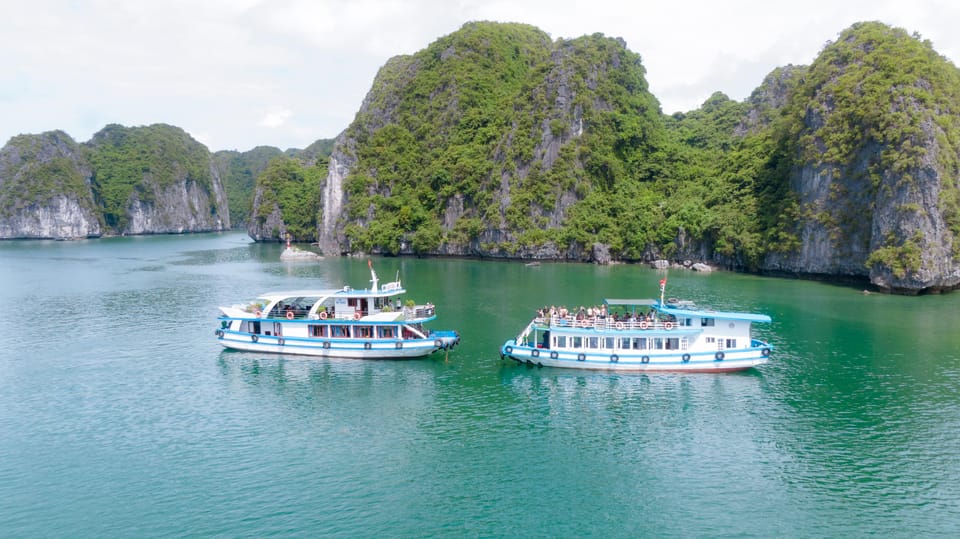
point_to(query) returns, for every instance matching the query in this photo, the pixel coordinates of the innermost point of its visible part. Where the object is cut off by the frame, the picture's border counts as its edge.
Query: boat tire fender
(366, 346)
(535, 353)
(438, 343)
(280, 341)
(719, 356)
(254, 337)
(508, 349)
(765, 352)
(326, 345)
(686, 358)
(581, 357)
(614, 358)
(554, 355)
(645, 359)
(399, 345)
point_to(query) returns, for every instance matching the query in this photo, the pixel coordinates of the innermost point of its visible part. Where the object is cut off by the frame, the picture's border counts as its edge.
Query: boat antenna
(373, 275)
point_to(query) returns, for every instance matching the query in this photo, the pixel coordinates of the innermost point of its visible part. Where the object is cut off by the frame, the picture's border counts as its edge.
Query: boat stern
(447, 339)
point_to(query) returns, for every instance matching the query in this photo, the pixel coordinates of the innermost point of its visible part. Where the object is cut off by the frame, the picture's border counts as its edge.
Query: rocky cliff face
(45, 189)
(877, 201)
(156, 180)
(560, 91)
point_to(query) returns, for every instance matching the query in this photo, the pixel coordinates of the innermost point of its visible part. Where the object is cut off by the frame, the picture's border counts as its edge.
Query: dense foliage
(239, 172)
(51, 167)
(293, 187)
(142, 159)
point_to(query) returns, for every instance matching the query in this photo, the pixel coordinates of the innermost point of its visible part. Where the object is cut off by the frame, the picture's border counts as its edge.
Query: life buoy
(438, 343)
(289, 315)
(356, 316)
(614, 358)
(719, 356)
(258, 313)
(280, 341)
(668, 326)
(508, 349)
(399, 345)
(644, 325)
(686, 358)
(645, 359)
(323, 315)
(326, 344)
(554, 355)
(254, 337)
(535, 353)
(619, 325)
(366, 346)
(765, 352)
(582, 357)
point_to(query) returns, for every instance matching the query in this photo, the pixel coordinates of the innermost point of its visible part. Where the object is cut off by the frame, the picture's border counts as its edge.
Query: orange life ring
(619, 325)
(644, 325)
(356, 316)
(289, 315)
(668, 326)
(258, 313)
(323, 315)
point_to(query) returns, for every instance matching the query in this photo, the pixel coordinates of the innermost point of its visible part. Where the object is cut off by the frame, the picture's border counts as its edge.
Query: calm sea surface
(120, 415)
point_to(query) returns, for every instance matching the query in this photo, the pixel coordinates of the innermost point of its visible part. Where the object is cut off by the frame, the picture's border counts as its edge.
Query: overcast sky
(237, 74)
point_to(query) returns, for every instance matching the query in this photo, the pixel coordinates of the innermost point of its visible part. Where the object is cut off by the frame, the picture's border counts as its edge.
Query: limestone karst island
(497, 141)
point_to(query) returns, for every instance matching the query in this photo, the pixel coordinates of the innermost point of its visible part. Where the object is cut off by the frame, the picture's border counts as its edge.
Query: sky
(237, 74)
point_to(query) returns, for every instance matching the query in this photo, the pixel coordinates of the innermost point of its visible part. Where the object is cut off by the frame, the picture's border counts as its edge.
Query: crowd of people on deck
(563, 316)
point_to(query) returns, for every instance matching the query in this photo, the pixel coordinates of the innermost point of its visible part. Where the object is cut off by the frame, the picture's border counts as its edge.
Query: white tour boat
(342, 322)
(642, 335)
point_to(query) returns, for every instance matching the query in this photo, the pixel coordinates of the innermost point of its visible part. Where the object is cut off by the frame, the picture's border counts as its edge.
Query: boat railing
(605, 324)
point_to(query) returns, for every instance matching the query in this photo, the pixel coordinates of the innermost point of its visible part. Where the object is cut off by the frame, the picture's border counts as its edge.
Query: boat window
(731, 343)
(363, 332)
(562, 341)
(625, 343)
(609, 342)
(387, 332)
(318, 331)
(640, 343)
(657, 343)
(340, 331)
(711, 340)
(684, 343)
(594, 342)
(686, 322)
(577, 342)
(707, 322)
(672, 343)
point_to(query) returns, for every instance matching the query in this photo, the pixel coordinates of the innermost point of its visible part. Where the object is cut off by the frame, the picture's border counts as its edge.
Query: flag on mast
(663, 285)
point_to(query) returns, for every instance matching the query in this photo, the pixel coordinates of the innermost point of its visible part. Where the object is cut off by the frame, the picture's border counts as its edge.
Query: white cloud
(275, 118)
(220, 67)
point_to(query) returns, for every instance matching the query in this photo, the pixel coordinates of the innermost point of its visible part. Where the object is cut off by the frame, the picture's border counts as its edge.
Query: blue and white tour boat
(641, 335)
(341, 322)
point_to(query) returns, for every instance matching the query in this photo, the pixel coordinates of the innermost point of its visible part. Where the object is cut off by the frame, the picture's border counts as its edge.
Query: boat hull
(621, 361)
(339, 348)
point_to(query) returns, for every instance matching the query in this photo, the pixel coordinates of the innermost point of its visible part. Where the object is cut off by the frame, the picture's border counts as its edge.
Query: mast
(373, 276)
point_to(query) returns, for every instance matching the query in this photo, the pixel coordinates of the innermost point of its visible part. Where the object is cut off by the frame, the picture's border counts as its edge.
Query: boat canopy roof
(688, 309)
(631, 302)
(333, 292)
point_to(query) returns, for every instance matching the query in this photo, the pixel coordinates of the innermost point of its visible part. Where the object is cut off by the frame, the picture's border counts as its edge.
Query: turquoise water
(120, 415)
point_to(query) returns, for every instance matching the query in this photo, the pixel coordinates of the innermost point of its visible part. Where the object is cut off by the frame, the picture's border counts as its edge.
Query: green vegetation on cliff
(239, 172)
(141, 159)
(47, 166)
(294, 187)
